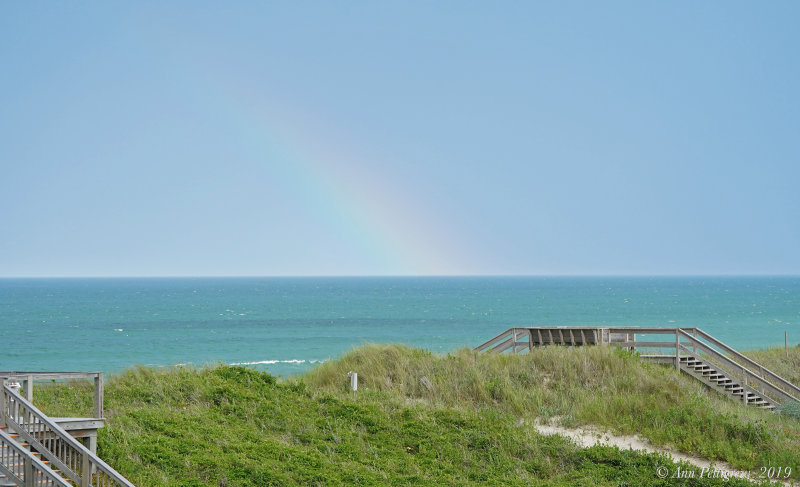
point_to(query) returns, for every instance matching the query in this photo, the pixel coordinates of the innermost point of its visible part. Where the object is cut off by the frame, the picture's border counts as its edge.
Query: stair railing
(23, 468)
(687, 340)
(503, 336)
(63, 451)
(764, 373)
(748, 375)
(507, 339)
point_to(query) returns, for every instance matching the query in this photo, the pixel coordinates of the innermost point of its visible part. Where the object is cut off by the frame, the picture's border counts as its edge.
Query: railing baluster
(58, 446)
(25, 467)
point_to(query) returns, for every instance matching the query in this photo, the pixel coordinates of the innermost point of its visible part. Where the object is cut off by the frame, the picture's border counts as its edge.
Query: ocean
(287, 325)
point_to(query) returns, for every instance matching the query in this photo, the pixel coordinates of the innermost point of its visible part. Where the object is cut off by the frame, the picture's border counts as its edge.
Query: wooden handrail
(744, 372)
(23, 467)
(49, 375)
(59, 447)
(27, 379)
(494, 340)
(511, 342)
(695, 337)
(645, 330)
(751, 362)
(736, 366)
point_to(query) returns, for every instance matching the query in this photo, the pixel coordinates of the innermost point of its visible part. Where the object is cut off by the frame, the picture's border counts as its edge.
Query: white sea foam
(272, 362)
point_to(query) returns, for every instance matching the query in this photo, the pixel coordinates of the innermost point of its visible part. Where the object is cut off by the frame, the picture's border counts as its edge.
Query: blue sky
(399, 138)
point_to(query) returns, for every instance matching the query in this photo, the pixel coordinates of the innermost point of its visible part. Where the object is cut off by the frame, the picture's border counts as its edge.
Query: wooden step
(731, 387)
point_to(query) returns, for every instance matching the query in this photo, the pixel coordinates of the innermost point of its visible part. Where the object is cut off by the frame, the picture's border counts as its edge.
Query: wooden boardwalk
(690, 350)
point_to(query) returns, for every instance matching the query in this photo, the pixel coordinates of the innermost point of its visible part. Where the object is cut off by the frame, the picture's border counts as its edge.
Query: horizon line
(397, 276)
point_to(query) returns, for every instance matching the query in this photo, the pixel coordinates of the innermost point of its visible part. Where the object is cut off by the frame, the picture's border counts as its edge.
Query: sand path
(590, 436)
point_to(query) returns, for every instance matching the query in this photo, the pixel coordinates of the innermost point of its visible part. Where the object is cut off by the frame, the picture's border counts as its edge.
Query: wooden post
(27, 475)
(98, 395)
(86, 470)
(744, 386)
(29, 388)
(2, 401)
(694, 347)
(677, 349)
(93, 443)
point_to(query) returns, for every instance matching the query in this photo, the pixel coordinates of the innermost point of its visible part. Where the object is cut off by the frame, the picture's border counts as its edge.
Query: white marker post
(353, 380)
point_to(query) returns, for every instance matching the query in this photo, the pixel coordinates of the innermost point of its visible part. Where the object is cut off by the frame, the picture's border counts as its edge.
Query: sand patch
(588, 436)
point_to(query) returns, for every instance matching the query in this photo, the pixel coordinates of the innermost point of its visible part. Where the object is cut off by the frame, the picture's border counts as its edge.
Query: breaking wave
(270, 362)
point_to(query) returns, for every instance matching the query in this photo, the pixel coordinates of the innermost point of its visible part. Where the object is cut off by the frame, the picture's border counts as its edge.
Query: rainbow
(351, 199)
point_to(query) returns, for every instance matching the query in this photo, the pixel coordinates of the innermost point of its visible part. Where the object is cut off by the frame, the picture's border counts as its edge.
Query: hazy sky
(391, 138)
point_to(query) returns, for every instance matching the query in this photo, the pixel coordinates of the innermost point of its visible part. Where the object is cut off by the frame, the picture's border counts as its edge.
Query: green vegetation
(777, 360)
(421, 419)
(600, 386)
(785, 363)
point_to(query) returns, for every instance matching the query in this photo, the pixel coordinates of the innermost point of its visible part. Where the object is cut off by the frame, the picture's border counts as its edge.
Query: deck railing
(64, 452)
(28, 378)
(22, 467)
(696, 342)
(682, 342)
(502, 342)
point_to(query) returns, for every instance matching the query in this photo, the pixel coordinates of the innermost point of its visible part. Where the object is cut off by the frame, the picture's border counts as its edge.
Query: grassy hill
(421, 419)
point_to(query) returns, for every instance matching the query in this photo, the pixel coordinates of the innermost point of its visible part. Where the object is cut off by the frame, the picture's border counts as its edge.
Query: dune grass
(600, 386)
(419, 419)
(786, 365)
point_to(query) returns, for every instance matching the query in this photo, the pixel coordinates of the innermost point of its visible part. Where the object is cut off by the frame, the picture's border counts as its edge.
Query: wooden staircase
(36, 452)
(19, 466)
(695, 353)
(717, 380)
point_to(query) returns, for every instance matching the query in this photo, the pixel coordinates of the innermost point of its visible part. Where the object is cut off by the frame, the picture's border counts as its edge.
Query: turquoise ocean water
(286, 325)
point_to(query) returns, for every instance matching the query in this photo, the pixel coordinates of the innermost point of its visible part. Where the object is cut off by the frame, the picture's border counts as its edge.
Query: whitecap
(270, 362)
